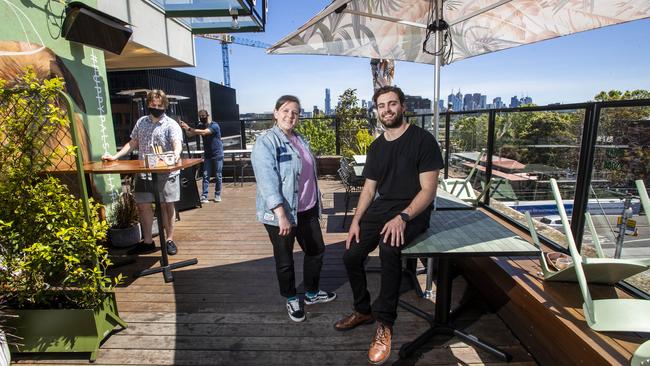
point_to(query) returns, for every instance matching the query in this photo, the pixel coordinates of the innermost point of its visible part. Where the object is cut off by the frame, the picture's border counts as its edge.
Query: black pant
(310, 239)
(385, 306)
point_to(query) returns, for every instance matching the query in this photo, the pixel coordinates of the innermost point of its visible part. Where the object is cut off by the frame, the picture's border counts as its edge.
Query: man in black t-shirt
(401, 171)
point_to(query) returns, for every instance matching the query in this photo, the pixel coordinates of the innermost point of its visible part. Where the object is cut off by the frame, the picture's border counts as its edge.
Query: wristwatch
(405, 217)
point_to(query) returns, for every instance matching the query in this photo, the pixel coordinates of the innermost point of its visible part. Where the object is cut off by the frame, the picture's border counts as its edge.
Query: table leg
(428, 291)
(165, 267)
(441, 324)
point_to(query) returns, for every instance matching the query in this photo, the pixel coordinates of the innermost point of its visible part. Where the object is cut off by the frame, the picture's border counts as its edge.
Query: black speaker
(89, 26)
(189, 191)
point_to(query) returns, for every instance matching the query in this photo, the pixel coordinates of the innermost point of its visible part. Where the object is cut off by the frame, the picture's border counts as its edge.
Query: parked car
(553, 221)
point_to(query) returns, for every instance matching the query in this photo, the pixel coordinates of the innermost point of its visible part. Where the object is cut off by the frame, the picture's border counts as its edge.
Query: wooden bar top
(135, 166)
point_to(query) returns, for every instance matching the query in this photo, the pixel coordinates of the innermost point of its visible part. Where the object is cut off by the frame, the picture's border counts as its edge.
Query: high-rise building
(527, 100)
(514, 102)
(457, 101)
(483, 102)
(468, 103)
(328, 103)
(417, 104)
(498, 103)
(476, 98)
(317, 111)
(452, 102)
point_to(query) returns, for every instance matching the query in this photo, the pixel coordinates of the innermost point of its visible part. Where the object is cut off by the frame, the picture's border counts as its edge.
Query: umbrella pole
(436, 76)
(436, 97)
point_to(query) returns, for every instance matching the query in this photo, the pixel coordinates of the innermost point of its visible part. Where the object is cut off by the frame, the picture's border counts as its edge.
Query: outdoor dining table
(447, 201)
(456, 234)
(137, 166)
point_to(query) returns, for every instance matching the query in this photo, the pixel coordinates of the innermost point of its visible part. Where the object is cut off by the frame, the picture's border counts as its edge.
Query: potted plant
(53, 272)
(124, 228)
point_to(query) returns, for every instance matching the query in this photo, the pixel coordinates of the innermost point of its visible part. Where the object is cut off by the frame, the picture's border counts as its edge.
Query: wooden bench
(547, 317)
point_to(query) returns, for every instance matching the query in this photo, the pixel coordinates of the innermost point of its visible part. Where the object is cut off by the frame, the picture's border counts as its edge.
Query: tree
(321, 136)
(470, 133)
(351, 120)
(627, 132)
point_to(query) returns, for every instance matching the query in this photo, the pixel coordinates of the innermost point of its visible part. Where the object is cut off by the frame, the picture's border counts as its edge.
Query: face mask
(203, 119)
(156, 112)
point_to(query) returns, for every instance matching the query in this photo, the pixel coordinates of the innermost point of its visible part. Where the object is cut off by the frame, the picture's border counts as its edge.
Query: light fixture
(234, 24)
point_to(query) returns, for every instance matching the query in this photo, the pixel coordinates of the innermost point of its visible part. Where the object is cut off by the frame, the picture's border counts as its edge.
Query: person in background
(288, 204)
(155, 131)
(401, 172)
(212, 152)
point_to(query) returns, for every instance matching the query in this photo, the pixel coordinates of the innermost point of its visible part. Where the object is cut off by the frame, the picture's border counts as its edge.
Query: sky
(568, 69)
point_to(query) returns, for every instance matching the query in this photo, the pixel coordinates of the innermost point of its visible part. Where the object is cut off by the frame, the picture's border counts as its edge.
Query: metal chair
(596, 270)
(603, 315)
(351, 184)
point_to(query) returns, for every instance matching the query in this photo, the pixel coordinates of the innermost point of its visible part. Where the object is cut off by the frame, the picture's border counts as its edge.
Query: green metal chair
(641, 356)
(597, 270)
(462, 188)
(645, 201)
(501, 189)
(604, 315)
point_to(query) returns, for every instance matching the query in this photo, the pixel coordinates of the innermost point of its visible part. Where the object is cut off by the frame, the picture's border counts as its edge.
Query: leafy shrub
(321, 137)
(49, 248)
(352, 120)
(364, 139)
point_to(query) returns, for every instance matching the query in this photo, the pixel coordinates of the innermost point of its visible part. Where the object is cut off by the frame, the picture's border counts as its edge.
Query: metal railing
(574, 154)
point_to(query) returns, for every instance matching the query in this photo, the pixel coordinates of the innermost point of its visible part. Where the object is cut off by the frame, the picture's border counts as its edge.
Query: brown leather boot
(353, 320)
(380, 347)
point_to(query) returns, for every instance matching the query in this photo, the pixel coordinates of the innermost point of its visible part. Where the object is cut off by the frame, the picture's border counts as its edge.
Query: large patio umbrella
(433, 32)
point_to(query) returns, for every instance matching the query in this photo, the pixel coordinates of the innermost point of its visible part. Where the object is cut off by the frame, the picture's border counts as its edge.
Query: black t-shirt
(396, 165)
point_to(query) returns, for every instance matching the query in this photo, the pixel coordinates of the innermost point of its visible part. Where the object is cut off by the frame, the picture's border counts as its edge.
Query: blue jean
(209, 166)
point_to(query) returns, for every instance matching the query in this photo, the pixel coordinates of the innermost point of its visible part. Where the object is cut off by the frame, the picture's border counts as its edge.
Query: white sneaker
(204, 200)
(320, 297)
(217, 198)
(295, 311)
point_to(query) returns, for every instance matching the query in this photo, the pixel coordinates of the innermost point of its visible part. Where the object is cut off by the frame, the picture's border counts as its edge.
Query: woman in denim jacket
(288, 204)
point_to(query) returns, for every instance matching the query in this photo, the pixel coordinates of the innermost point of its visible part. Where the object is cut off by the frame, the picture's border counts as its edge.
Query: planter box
(5, 356)
(121, 238)
(65, 330)
(328, 164)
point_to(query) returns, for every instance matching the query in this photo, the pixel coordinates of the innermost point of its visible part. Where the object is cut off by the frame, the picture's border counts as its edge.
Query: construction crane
(225, 40)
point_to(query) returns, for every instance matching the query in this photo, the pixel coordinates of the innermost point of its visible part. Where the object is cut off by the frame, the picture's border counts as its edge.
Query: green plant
(364, 139)
(124, 212)
(51, 256)
(351, 119)
(321, 137)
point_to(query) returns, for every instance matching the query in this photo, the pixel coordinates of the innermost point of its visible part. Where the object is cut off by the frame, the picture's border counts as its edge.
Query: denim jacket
(277, 168)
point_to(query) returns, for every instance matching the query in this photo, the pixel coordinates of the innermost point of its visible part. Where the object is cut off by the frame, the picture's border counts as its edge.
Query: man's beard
(395, 123)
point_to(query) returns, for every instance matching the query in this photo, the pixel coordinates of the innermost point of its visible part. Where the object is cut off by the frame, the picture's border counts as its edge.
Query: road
(633, 246)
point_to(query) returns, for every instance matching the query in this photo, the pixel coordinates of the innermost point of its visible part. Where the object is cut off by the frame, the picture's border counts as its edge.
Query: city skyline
(568, 69)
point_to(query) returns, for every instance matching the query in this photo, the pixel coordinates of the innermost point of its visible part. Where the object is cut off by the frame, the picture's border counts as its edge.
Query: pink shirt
(307, 182)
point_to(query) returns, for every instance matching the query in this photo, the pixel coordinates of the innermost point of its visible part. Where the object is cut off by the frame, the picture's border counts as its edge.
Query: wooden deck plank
(226, 310)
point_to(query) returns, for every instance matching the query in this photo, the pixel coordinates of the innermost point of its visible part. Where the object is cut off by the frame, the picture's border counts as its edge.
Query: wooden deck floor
(227, 309)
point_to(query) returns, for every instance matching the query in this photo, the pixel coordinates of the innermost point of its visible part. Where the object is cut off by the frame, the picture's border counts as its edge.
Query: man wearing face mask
(159, 131)
(212, 152)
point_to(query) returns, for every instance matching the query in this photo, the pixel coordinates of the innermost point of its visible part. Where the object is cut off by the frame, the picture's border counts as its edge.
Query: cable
(439, 27)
